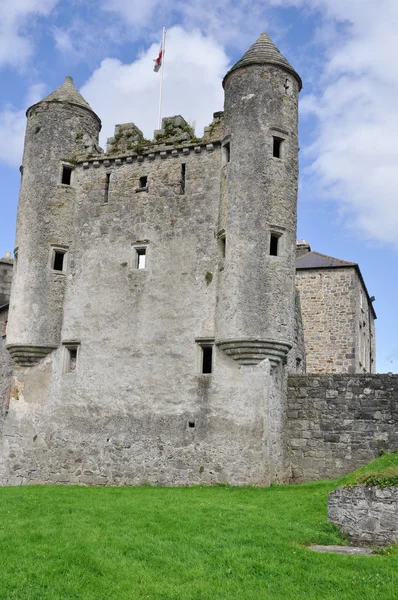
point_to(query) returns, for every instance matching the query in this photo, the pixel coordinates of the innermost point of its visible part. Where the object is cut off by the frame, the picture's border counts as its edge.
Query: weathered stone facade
(154, 317)
(338, 319)
(367, 515)
(6, 266)
(153, 302)
(337, 423)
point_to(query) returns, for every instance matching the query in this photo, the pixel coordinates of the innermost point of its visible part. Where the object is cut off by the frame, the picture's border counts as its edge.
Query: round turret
(256, 302)
(60, 127)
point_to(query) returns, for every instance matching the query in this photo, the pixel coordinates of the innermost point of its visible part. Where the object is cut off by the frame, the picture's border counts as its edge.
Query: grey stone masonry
(338, 320)
(367, 515)
(337, 423)
(149, 319)
(6, 266)
(5, 367)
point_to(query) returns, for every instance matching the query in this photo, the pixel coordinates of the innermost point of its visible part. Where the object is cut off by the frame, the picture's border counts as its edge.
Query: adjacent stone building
(154, 316)
(337, 313)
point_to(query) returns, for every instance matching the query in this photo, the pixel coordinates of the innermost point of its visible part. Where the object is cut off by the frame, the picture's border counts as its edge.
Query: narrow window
(207, 359)
(143, 182)
(4, 326)
(107, 181)
(59, 260)
(298, 365)
(183, 175)
(141, 258)
(222, 246)
(226, 153)
(277, 147)
(72, 360)
(273, 246)
(66, 175)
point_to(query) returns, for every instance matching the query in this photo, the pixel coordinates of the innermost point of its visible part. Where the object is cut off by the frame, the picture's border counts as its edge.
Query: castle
(155, 330)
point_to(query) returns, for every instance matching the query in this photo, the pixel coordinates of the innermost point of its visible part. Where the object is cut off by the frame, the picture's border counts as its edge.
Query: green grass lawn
(180, 543)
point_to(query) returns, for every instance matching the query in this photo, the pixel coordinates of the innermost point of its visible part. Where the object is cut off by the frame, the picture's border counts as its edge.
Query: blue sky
(345, 51)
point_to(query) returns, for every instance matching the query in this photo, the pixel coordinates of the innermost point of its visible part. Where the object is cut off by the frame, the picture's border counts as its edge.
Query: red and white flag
(159, 60)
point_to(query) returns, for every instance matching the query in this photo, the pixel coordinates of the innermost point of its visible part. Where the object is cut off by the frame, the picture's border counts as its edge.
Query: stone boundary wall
(337, 423)
(367, 515)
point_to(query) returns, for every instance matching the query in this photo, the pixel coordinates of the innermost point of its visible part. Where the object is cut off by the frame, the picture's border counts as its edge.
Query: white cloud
(227, 21)
(194, 67)
(354, 155)
(15, 45)
(12, 127)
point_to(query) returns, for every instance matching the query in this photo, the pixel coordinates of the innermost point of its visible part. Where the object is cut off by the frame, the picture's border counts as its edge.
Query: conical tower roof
(264, 52)
(67, 93)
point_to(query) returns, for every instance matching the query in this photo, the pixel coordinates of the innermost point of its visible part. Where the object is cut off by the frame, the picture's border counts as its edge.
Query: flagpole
(161, 79)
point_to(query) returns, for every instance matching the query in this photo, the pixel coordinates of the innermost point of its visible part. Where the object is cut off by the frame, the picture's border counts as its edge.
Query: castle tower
(258, 220)
(59, 128)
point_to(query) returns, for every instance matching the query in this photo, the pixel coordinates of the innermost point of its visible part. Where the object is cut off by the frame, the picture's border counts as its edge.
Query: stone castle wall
(338, 325)
(6, 266)
(5, 367)
(337, 423)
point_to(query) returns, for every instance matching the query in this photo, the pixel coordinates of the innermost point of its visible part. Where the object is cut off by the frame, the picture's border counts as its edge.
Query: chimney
(302, 248)
(8, 254)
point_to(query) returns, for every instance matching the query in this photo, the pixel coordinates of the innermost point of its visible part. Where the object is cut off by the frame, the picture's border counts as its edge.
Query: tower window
(107, 182)
(141, 258)
(70, 357)
(207, 360)
(66, 175)
(183, 175)
(143, 182)
(226, 153)
(222, 244)
(59, 260)
(277, 147)
(274, 245)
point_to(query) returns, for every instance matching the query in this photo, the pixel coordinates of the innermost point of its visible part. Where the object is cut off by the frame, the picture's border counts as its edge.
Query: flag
(158, 61)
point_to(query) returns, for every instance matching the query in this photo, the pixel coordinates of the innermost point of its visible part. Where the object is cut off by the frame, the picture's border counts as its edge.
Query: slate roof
(67, 92)
(264, 52)
(316, 260)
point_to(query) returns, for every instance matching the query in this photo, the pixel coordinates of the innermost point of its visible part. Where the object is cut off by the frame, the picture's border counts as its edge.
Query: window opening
(107, 181)
(141, 258)
(273, 246)
(277, 147)
(183, 175)
(72, 359)
(66, 175)
(59, 258)
(226, 149)
(223, 246)
(143, 182)
(191, 424)
(207, 359)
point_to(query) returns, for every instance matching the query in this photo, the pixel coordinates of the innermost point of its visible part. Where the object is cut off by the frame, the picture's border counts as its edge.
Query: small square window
(71, 352)
(274, 244)
(277, 147)
(66, 175)
(141, 258)
(205, 360)
(58, 261)
(226, 153)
